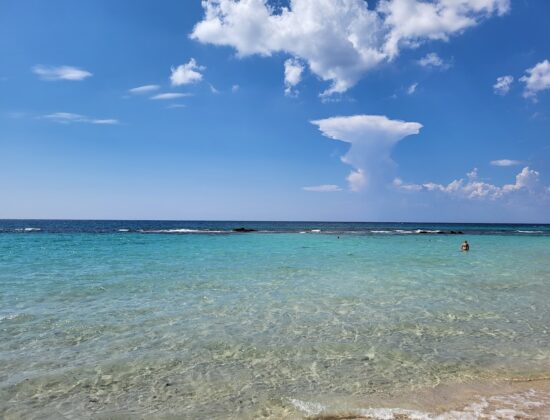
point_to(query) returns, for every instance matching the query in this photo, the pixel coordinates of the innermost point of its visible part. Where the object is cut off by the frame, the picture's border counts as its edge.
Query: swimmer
(465, 246)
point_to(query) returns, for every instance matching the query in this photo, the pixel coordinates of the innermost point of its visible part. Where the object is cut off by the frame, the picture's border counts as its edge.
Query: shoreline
(502, 399)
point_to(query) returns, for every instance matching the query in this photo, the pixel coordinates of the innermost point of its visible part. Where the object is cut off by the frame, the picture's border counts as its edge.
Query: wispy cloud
(144, 89)
(505, 162)
(412, 88)
(52, 73)
(213, 89)
(372, 138)
(235, 88)
(173, 106)
(503, 84)
(432, 60)
(323, 188)
(185, 74)
(169, 95)
(69, 117)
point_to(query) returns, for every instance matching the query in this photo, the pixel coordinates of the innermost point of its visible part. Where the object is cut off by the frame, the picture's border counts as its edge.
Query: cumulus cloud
(536, 79)
(505, 162)
(432, 60)
(168, 96)
(52, 73)
(503, 84)
(340, 40)
(372, 138)
(413, 21)
(293, 75)
(185, 74)
(323, 188)
(144, 89)
(69, 117)
(527, 181)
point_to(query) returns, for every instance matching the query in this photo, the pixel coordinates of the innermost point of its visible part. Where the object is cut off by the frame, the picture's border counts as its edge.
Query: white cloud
(503, 84)
(357, 180)
(172, 106)
(106, 121)
(293, 75)
(505, 162)
(412, 22)
(340, 40)
(144, 89)
(537, 79)
(398, 183)
(213, 89)
(412, 88)
(169, 95)
(432, 60)
(69, 117)
(323, 188)
(187, 73)
(527, 181)
(60, 73)
(372, 138)
(235, 88)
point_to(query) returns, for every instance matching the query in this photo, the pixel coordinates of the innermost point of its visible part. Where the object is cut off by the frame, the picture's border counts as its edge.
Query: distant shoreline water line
(240, 227)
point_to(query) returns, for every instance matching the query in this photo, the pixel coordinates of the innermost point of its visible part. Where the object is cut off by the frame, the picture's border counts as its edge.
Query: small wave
(310, 409)
(10, 317)
(404, 231)
(527, 404)
(124, 230)
(315, 230)
(180, 231)
(28, 229)
(529, 231)
(382, 231)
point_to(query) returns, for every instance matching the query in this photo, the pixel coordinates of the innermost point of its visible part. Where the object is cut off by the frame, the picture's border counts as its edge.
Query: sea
(195, 320)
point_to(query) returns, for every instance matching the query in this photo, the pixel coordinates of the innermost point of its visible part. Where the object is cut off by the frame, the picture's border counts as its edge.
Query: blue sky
(395, 110)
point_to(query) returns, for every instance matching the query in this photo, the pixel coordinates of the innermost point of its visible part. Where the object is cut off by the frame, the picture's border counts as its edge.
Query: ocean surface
(193, 320)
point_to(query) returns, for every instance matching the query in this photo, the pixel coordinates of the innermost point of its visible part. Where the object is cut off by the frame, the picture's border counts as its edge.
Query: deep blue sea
(304, 319)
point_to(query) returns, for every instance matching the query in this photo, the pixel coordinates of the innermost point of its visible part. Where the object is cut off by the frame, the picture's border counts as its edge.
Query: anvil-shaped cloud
(372, 138)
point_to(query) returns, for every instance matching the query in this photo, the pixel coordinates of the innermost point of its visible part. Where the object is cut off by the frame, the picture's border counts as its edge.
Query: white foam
(511, 407)
(392, 413)
(315, 230)
(381, 231)
(28, 229)
(124, 230)
(308, 408)
(181, 231)
(8, 317)
(403, 231)
(529, 231)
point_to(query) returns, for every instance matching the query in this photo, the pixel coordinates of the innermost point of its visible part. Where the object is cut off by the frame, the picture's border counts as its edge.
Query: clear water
(97, 321)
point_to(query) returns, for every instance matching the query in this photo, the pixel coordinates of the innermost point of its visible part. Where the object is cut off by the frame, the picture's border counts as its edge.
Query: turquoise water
(245, 325)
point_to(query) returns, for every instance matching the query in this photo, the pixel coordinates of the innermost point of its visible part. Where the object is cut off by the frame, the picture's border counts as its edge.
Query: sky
(329, 110)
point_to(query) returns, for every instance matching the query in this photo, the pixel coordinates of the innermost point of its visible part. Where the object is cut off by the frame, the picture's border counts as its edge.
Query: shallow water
(245, 325)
